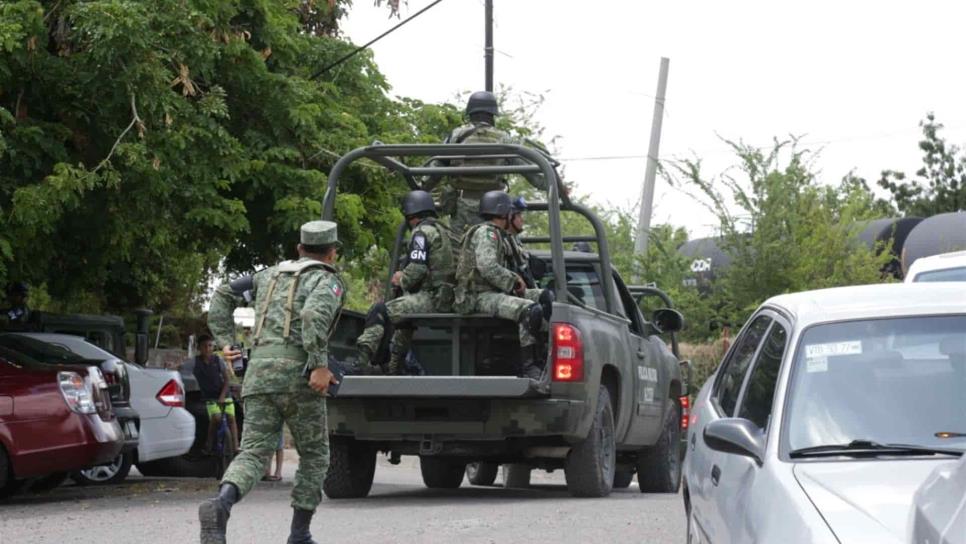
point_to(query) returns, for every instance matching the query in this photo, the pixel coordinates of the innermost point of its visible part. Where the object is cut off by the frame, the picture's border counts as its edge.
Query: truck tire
(6, 475)
(441, 473)
(659, 467)
(352, 466)
(591, 464)
(623, 479)
(482, 473)
(516, 476)
(108, 473)
(179, 467)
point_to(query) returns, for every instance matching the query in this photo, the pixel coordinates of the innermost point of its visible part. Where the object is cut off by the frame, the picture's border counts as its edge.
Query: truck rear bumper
(471, 418)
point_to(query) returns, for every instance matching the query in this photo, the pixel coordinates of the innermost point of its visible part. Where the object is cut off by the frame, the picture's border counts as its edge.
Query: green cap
(319, 233)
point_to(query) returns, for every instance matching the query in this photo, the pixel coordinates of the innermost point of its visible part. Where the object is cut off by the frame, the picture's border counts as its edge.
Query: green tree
(939, 185)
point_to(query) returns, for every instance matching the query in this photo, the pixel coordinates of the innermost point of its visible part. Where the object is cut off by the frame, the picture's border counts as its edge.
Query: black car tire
(441, 472)
(109, 473)
(482, 473)
(179, 467)
(5, 473)
(659, 467)
(591, 464)
(623, 478)
(352, 466)
(516, 476)
(48, 482)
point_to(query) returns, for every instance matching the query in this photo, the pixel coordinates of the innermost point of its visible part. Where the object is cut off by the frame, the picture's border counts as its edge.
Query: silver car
(829, 411)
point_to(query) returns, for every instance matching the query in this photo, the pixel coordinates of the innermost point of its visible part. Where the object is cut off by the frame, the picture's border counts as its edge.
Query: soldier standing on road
(297, 304)
(460, 198)
(486, 283)
(427, 282)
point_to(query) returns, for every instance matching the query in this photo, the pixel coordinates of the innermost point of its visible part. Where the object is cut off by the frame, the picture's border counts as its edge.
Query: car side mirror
(735, 435)
(667, 320)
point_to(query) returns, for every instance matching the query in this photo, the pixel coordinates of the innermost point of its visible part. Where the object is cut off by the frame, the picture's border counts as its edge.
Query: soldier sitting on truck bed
(460, 198)
(427, 282)
(485, 280)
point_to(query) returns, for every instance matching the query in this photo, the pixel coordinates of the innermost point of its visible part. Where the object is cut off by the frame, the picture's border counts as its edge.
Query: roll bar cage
(531, 161)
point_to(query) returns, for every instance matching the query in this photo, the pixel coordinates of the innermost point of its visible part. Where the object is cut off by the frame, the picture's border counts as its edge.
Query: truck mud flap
(440, 387)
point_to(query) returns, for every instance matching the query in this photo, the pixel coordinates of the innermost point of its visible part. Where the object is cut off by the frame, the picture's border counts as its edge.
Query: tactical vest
(479, 133)
(295, 270)
(468, 276)
(441, 268)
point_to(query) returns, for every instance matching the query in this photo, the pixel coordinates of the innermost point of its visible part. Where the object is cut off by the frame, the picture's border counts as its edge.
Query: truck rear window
(583, 283)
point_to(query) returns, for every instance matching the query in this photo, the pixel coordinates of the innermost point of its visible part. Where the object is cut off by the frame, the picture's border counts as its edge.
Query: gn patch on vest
(419, 249)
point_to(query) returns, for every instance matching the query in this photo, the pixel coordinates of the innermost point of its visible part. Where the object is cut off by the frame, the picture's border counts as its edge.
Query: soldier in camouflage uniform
(297, 304)
(487, 284)
(427, 283)
(518, 254)
(460, 197)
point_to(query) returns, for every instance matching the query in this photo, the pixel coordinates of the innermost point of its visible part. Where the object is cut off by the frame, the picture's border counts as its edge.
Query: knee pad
(546, 301)
(378, 315)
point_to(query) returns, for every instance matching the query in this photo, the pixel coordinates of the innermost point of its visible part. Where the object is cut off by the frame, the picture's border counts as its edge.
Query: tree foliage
(939, 185)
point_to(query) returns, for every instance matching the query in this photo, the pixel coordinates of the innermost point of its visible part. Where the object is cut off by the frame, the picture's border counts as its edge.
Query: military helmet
(495, 203)
(417, 202)
(482, 102)
(519, 205)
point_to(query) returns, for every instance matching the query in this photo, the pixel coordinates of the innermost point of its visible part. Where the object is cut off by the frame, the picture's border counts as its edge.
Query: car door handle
(715, 475)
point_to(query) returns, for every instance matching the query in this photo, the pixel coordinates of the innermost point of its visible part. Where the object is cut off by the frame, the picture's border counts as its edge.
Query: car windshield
(39, 350)
(890, 381)
(948, 274)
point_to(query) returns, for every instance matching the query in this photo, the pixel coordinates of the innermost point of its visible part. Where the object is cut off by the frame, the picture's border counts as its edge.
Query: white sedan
(827, 414)
(167, 429)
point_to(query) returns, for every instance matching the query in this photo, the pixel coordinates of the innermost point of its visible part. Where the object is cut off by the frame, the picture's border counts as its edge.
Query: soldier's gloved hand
(521, 287)
(230, 354)
(396, 277)
(321, 378)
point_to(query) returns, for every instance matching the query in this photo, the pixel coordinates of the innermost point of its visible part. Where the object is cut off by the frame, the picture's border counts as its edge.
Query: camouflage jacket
(483, 261)
(430, 263)
(481, 133)
(520, 258)
(279, 360)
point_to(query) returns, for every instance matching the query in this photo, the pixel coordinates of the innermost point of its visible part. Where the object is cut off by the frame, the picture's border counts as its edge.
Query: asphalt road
(399, 509)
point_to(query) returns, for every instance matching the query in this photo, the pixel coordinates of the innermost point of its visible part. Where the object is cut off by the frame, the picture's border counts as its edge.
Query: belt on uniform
(280, 352)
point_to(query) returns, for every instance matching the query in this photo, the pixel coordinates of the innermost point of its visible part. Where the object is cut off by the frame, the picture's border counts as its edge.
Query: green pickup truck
(607, 405)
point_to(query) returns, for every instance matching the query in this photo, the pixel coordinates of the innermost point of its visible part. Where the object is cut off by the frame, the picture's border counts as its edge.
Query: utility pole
(488, 48)
(647, 191)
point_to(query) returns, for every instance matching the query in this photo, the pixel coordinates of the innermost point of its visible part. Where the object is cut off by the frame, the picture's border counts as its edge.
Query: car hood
(865, 501)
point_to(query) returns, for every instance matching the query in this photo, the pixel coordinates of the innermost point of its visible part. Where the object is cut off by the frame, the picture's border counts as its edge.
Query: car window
(630, 307)
(38, 350)
(736, 366)
(949, 274)
(760, 391)
(583, 283)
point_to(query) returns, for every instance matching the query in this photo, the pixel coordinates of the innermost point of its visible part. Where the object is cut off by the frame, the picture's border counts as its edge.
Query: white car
(829, 411)
(945, 267)
(167, 429)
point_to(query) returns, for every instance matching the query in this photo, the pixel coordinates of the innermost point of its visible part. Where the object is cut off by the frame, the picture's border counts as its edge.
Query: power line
(357, 50)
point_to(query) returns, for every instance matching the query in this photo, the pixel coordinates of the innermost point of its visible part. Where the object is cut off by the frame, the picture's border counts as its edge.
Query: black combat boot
(214, 513)
(301, 523)
(533, 367)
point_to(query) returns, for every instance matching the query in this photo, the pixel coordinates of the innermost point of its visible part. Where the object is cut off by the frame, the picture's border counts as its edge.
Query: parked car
(829, 411)
(939, 507)
(49, 348)
(54, 418)
(945, 267)
(167, 429)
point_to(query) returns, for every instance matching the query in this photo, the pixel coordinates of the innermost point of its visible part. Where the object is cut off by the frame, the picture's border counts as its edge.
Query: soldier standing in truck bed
(460, 196)
(297, 304)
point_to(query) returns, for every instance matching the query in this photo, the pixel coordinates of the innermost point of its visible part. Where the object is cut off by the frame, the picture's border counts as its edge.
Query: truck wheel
(482, 473)
(516, 476)
(109, 473)
(591, 464)
(623, 479)
(659, 467)
(441, 473)
(352, 466)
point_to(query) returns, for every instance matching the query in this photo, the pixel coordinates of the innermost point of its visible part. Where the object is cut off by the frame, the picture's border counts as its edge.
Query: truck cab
(607, 405)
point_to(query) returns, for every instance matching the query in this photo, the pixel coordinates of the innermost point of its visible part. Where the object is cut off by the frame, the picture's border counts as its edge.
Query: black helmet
(417, 202)
(496, 204)
(17, 288)
(482, 101)
(519, 205)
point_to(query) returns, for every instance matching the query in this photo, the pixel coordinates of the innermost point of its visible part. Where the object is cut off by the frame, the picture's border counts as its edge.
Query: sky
(852, 79)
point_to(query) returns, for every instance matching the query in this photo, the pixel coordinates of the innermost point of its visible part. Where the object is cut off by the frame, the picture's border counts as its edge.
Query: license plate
(130, 430)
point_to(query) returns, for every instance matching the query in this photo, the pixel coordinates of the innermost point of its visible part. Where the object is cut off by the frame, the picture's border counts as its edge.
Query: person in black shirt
(213, 380)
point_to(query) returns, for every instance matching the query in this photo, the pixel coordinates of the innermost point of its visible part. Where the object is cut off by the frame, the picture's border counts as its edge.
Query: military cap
(319, 233)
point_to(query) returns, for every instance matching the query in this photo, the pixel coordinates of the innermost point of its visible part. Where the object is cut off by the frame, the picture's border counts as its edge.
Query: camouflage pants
(507, 307)
(304, 413)
(402, 337)
(464, 213)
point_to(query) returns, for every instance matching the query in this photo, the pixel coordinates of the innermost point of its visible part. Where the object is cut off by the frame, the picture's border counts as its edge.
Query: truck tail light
(685, 412)
(567, 353)
(171, 395)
